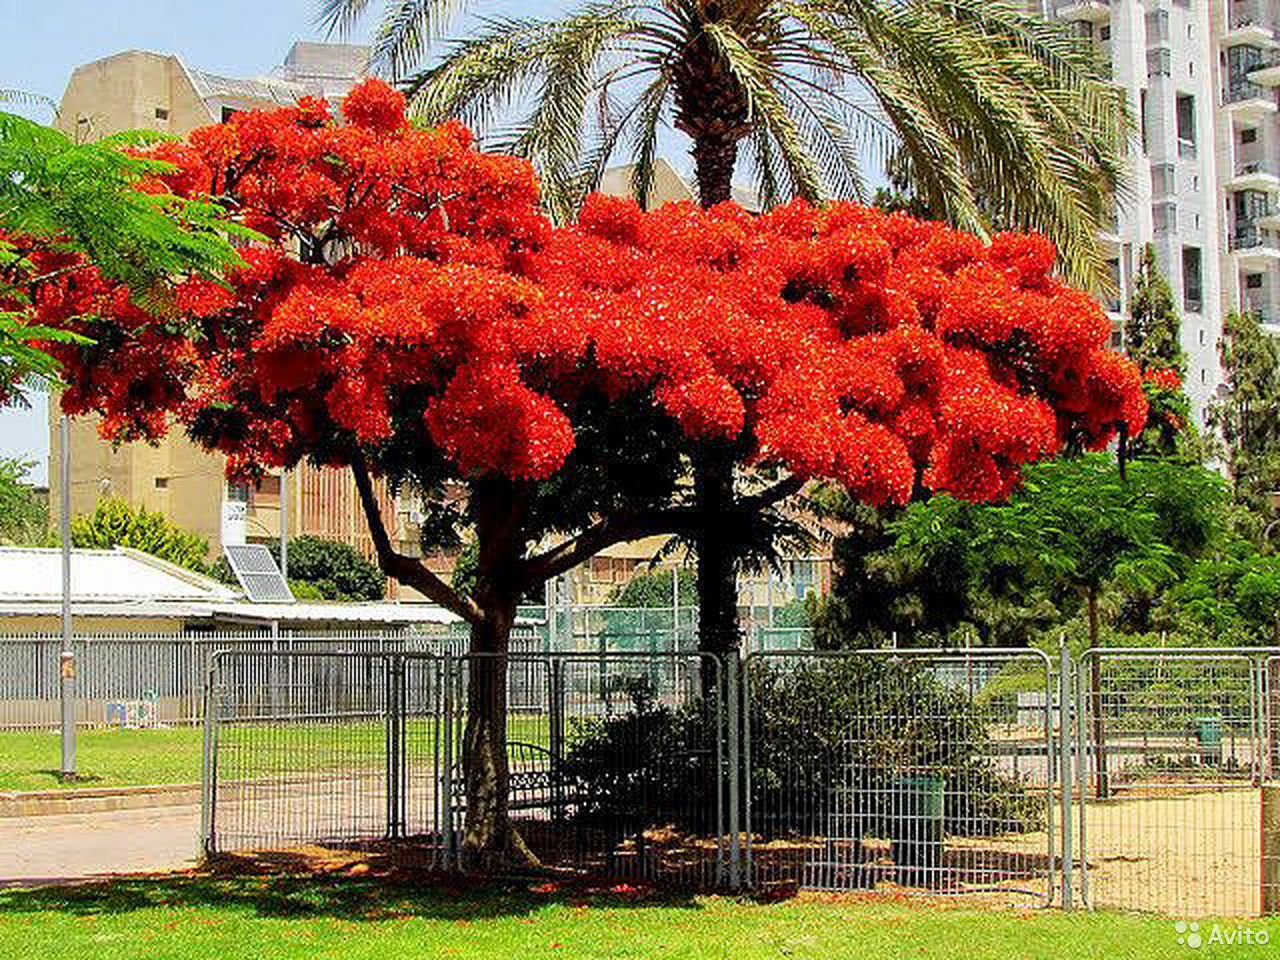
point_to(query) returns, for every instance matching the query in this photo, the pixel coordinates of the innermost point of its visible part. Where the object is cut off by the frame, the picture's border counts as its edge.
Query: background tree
(995, 117)
(336, 570)
(419, 319)
(114, 523)
(655, 588)
(1153, 340)
(24, 517)
(1246, 413)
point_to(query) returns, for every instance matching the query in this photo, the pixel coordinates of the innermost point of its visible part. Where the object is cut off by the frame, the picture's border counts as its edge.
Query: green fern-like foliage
(998, 119)
(84, 198)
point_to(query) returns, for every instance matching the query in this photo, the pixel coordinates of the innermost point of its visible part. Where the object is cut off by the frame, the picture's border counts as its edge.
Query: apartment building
(1165, 55)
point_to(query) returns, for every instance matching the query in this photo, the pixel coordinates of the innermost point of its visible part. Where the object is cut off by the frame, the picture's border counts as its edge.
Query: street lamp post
(67, 658)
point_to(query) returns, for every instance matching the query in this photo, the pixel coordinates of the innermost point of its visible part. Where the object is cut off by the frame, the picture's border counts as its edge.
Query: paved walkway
(85, 845)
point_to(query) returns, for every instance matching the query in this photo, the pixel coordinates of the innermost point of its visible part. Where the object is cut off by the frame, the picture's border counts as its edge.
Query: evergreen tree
(1246, 414)
(1153, 340)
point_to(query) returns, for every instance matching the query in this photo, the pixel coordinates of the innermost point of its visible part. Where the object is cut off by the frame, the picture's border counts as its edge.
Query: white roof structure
(129, 583)
(101, 576)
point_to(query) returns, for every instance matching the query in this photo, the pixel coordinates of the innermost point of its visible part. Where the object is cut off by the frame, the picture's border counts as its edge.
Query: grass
(123, 758)
(279, 918)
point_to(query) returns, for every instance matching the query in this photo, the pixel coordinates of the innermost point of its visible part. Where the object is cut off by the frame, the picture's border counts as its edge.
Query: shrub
(114, 523)
(830, 738)
(337, 570)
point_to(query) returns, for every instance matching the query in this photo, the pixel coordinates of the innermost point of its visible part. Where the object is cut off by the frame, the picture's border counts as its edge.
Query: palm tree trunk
(717, 563)
(714, 158)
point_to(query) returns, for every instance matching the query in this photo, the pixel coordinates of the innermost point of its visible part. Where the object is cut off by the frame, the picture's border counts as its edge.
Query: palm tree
(994, 117)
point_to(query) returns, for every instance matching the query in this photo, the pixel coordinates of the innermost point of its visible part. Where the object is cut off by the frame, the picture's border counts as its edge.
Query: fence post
(1065, 742)
(394, 666)
(209, 765)
(446, 787)
(731, 665)
(1082, 785)
(556, 734)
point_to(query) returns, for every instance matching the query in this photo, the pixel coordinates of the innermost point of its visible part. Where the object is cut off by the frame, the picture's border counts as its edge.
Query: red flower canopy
(413, 294)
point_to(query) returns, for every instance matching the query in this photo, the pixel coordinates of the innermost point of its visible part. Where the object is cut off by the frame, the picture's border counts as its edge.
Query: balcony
(1255, 247)
(1266, 71)
(1249, 23)
(1248, 102)
(1255, 175)
(1091, 11)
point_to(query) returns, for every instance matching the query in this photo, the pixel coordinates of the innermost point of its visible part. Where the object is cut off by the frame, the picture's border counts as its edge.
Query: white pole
(675, 609)
(67, 658)
(284, 525)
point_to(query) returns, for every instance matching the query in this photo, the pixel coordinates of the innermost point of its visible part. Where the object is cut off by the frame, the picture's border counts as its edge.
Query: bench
(535, 780)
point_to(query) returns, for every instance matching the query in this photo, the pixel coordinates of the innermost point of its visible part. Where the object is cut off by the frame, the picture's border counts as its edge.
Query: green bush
(337, 570)
(117, 524)
(830, 738)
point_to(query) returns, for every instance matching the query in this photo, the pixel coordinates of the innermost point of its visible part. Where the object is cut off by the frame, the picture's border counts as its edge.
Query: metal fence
(1175, 751)
(1129, 778)
(138, 679)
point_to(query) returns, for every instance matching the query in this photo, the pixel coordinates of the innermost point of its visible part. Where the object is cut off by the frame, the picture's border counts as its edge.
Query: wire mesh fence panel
(926, 770)
(614, 761)
(301, 748)
(1170, 773)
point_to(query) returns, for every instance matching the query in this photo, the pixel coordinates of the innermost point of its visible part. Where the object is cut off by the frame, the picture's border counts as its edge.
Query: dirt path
(84, 845)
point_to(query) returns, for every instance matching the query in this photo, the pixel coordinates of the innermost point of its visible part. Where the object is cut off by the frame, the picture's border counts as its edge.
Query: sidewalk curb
(97, 800)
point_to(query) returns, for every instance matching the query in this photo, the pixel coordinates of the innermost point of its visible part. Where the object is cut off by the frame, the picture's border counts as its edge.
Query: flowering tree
(417, 317)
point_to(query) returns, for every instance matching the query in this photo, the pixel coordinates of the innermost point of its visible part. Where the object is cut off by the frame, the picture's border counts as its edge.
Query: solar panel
(258, 574)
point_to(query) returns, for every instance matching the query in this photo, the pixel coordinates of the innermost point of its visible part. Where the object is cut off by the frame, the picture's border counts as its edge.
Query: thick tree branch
(407, 570)
(615, 528)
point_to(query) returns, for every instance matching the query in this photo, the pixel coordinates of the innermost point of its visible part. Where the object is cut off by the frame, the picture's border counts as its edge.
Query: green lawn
(118, 758)
(339, 917)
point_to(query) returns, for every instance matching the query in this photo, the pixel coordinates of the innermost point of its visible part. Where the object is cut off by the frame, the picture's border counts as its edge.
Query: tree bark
(489, 839)
(1102, 785)
(717, 555)
(714, 157)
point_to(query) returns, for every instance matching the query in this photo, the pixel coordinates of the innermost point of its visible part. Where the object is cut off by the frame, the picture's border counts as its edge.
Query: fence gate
(1171, 768)
(930, 770)
(617, 761)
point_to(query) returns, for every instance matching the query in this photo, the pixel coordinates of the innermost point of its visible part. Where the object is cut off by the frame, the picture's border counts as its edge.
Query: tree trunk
(717, 562)
(489, 840)
(1102, 783)
(714, 158)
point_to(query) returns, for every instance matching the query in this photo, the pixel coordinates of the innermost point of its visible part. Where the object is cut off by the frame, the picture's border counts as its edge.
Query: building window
(1202, 336)
(1104, 32)
(228, 113)
(162, 113)
(1164, 217)
(162, 483)
(1249, 135)
(1163, 181)
(1191, 289)
(1253, 281)
(1186, 111)
(1159, 62)
(1204, 375)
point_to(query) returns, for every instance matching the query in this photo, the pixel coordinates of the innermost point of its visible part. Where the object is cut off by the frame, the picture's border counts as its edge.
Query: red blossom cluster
(414, 295)
(1162, 379)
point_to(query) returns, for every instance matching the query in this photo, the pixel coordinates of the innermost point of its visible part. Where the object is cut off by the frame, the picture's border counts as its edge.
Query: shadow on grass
(276, 889)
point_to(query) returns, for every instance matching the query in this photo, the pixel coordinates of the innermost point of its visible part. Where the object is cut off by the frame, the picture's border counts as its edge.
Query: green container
(916, 812)
(1209, 735)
